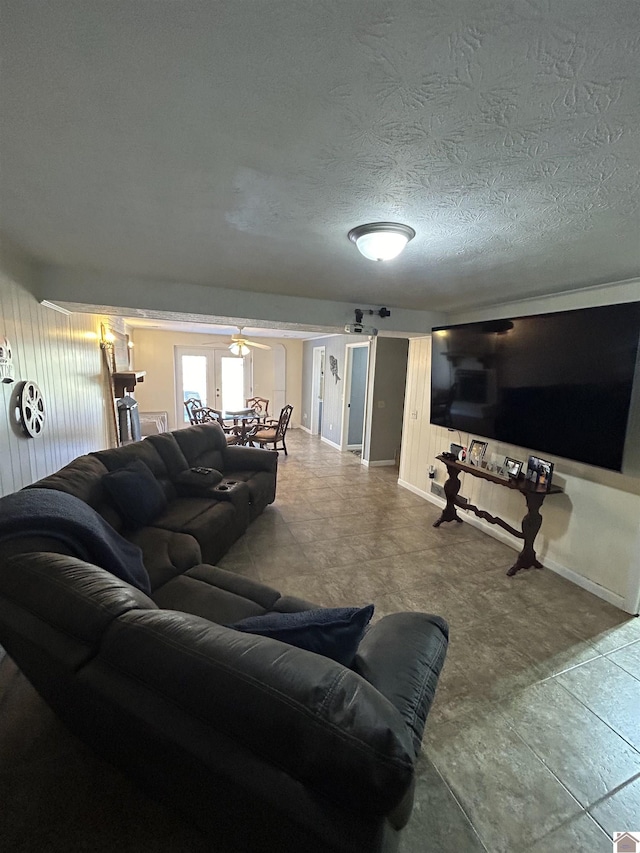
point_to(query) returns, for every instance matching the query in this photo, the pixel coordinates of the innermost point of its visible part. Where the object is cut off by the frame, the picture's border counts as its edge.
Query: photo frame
(476, 453)
(512, 467)
(539, 473)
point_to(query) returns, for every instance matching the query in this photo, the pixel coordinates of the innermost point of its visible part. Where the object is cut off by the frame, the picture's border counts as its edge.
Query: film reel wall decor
(31, 409)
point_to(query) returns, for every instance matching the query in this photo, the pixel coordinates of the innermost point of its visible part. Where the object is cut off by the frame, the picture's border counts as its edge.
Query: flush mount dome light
(381, 241)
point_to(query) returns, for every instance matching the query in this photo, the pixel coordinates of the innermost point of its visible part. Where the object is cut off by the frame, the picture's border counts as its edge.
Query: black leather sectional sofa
(265, 746)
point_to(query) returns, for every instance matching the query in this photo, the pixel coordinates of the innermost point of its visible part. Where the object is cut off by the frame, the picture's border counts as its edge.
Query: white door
(233, 380)
(353, 415)
(317, 390)
(217, 378)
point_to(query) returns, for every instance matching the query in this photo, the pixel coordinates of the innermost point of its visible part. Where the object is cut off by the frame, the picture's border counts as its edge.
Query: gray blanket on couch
(58, 515)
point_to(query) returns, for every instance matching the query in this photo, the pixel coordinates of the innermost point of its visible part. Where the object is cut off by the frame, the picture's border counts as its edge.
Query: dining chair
(260, 406)
(190, 404)
(204, 414)
(274, 431)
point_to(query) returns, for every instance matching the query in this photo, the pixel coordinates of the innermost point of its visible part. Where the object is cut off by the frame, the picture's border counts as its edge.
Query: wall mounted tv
(566, 384)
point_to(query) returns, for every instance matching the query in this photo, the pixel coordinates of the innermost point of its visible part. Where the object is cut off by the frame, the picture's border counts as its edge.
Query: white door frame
(213, 355)
(348, 368)
(279, 398)
(316, 386)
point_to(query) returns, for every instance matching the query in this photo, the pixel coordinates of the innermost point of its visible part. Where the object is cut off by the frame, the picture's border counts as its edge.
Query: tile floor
(533, 743)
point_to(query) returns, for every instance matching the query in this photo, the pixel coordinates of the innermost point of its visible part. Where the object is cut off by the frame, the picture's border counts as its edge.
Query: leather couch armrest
(240, 458)
(308, 715)
(196, 481)
(402, 656)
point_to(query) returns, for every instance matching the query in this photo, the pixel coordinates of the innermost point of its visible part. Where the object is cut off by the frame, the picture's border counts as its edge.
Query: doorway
(355, 395)
(214, 376)
(317, 390)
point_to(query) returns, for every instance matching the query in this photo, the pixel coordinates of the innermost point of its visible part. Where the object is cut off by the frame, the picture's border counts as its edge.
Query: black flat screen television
(558, 383)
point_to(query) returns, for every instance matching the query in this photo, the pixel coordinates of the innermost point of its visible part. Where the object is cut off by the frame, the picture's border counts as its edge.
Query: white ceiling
(234, 143)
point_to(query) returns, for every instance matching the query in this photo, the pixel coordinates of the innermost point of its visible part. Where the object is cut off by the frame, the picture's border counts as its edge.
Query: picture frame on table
(476, 452)
(512, 467)
(539, 473)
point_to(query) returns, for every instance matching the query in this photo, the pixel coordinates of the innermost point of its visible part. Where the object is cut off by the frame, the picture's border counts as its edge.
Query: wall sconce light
(107, 338)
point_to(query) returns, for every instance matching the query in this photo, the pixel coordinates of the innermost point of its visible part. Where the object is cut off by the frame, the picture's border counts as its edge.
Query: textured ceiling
(234, 144)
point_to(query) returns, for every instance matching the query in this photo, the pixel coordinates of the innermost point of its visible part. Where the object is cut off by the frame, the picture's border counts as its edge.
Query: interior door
(317, 390)
(356, 369)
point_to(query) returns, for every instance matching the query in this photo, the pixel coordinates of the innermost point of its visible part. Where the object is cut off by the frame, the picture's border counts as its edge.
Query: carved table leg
(530, 527)
(451, 489)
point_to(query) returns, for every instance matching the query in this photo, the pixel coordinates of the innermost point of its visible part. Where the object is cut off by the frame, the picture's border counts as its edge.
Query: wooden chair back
(260, 405)
(204, 415)
(190, 404)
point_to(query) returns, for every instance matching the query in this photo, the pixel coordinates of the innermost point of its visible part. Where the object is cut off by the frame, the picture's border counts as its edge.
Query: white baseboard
(422, 494)
(330, 443)
(306, 429)
(501, 535)
(380, 463)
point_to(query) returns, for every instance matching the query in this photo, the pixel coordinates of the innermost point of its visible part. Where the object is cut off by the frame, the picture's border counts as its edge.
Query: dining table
(243, 419)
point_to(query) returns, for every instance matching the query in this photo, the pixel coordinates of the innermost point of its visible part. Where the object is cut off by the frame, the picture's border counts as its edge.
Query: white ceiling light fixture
(381, 241)
(241, 346)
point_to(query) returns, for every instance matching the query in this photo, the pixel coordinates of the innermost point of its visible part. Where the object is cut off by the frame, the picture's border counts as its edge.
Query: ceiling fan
(240, 344)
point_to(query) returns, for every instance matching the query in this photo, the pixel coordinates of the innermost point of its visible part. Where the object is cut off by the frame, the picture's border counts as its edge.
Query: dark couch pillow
(334, 632)
(136, 494)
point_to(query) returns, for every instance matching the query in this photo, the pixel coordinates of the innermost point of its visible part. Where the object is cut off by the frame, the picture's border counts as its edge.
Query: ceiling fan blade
(254, 344)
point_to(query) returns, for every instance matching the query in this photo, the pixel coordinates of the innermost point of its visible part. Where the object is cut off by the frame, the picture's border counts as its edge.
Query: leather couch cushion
(120, 457)
(169, 450)
(203, 445)
(165, 553)
(334, 632)
(215, 526)
(83, 479)
(136, 493)
(62, 605)
(216, 594)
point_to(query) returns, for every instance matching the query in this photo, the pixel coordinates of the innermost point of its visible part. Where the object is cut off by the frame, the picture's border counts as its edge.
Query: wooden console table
(530, 523)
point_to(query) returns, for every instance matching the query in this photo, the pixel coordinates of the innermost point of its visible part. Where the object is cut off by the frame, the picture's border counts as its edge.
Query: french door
(217, 378)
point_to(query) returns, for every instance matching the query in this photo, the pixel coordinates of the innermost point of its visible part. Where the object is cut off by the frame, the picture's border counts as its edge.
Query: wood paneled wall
(61, 354)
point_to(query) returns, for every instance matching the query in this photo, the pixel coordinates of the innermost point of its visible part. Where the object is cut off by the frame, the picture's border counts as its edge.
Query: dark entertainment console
(530, 523)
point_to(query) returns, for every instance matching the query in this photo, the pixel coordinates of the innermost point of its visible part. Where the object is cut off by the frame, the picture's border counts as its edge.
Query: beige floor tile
(264, 541)
(437, 597)
(329, 555)
(587, 756)
(511, 798)
(606, 627)
(553, 651)
(620, 812)
(628, 658)
(437, 822)
(610, 692)
(580, 835)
